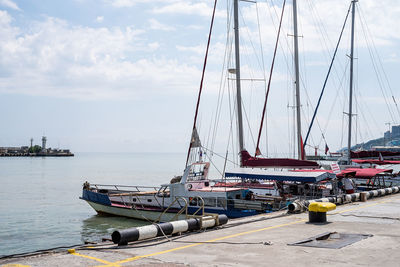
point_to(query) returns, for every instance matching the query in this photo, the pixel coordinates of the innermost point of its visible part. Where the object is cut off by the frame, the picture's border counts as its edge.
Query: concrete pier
(257, 241)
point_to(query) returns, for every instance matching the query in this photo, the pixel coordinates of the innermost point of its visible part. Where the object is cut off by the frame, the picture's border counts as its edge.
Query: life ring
(189, 186)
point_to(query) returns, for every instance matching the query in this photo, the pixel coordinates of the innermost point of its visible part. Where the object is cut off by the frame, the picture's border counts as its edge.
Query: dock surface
(257, 241)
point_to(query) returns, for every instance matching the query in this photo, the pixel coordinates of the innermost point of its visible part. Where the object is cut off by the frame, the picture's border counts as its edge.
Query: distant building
(396, 131)
(387, 135)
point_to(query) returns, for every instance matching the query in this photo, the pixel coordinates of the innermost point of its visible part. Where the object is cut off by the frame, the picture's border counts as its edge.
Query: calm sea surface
(39, 197)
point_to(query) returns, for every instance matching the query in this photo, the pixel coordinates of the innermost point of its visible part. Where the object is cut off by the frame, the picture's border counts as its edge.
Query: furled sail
(249, 161)
(195, 141)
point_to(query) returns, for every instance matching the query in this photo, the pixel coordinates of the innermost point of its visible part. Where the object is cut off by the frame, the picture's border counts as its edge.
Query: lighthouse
(44, 139)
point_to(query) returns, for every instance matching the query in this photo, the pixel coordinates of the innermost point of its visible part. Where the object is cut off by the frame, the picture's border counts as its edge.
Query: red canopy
(249, 161)
(366, 173)
(361, 173)
(372, 154)
(376, 161)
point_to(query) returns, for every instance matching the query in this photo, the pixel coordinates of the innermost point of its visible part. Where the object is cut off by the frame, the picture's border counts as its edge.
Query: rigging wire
(201, 82)
(322, 32)
(341, 84)
(285, 48)
(269, 79)
(264, 71)
(327, 77)
(325, 38)
(377, 68)
(233, 110)
(260, 64)
(223, 78)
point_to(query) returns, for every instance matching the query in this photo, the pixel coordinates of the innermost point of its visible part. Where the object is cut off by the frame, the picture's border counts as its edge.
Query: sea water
(39, 197)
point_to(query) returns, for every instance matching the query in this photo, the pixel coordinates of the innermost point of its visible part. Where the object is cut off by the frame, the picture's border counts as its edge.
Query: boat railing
(201, 207)
(183, 209)
(125, 187)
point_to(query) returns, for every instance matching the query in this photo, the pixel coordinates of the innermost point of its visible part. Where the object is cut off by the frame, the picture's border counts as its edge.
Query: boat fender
(147, 231)
(179, 226)
(164, 229)
(193, 224)
(208, 223)
(222, 219)
(189, 186)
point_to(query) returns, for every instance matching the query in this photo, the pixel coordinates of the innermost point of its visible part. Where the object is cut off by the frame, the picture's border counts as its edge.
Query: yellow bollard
(317, 211)
(71, 250)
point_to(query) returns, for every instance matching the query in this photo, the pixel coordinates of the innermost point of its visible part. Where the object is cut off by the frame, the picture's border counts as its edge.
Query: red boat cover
(366, 173)
(372, 154)
(376, 161)
(249, 161)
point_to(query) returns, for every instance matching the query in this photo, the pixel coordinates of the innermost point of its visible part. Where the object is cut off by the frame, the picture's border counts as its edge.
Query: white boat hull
(136, 214)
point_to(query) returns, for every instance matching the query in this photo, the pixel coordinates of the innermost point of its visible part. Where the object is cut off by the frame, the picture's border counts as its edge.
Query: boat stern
(94, 195)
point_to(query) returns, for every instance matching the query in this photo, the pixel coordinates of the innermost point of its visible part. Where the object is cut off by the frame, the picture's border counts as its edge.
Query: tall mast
(351, 80)
(297, 81)
(237, 67)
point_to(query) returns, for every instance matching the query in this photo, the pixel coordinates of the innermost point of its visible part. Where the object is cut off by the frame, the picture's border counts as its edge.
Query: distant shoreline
(36, 154)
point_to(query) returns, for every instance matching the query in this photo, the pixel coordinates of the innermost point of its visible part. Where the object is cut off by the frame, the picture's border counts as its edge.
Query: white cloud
(392, 58)
(122, 3)
(57, 59)
(9, 4)
(99, 19)
(319, 20)
(131, 3)
(156, 25)
(202, 8)
(154, 46)
(195, 27)
(194, 49)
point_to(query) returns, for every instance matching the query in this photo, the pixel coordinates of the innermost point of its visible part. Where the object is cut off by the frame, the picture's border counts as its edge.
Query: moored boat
(191, 194)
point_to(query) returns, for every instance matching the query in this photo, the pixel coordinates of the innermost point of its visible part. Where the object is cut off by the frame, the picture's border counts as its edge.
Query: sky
(123, 75)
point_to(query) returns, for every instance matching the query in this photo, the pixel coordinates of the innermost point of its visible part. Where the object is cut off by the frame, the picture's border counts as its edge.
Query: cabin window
(210, 202)
(149, 200)
(133, 199)
(196, 173)
(221, 202)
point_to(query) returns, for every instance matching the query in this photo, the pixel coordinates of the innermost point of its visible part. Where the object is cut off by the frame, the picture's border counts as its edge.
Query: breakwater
(53, 154)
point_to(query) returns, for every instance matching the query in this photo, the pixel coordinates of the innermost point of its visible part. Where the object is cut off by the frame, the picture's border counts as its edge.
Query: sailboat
(194, 193)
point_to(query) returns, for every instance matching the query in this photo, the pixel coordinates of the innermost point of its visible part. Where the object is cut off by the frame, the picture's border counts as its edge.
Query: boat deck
(217, 189)
(258, 241)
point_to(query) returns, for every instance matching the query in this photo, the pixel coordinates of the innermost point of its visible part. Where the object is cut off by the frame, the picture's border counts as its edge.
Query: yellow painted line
(231, 236)
(109, 263)
(15, 265)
